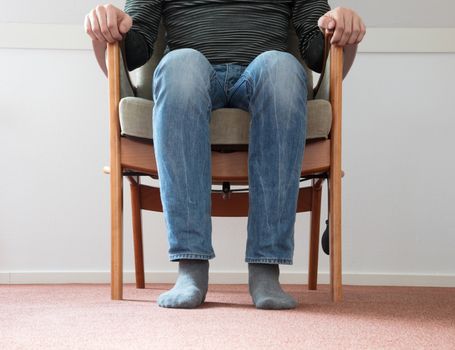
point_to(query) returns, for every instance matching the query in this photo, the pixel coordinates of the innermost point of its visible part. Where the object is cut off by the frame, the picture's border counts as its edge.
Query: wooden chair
(134, 158)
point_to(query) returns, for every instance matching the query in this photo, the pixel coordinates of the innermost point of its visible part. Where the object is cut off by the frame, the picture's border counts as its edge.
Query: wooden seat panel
(233, 166)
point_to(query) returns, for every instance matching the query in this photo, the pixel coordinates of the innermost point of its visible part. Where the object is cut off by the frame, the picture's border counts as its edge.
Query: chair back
(142, 77)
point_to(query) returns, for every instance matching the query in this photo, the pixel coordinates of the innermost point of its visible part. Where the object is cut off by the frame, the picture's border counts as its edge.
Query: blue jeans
(186, 88)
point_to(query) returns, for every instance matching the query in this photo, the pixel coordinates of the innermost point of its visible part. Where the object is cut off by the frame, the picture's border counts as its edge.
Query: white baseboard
(372, 279)
(73, 37)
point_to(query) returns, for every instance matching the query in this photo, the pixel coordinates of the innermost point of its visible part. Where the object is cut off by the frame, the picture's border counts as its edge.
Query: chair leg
(137, 232)
(116, 234)
(314, 234)
(335, 237)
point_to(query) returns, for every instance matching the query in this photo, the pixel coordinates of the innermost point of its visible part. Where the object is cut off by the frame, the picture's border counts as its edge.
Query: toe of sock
(188, 299)
(276, 303)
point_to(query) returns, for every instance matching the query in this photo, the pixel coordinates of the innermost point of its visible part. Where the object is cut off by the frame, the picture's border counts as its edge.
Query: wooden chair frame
(133, 159)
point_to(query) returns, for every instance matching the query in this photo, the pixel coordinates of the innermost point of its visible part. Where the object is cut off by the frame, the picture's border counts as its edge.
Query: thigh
(273, 70)
(187, 74)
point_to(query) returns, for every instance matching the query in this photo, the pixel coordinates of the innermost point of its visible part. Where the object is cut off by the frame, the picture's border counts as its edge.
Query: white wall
(403, 13)
(54, 216)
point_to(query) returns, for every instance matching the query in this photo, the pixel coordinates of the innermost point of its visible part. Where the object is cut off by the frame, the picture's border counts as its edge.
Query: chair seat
(229, 126)
(232, 166)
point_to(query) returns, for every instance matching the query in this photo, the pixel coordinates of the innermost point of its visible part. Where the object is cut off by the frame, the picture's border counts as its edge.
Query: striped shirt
(225, 31)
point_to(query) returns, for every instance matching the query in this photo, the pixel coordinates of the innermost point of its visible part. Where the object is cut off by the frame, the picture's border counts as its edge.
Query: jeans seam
(191, 255)
(234, 91)
(213, 80)
(249, 85)
(226, 80)
(269, 260)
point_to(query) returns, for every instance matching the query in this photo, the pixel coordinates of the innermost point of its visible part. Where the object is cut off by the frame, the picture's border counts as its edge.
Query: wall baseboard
(372, 279)
(73, 37)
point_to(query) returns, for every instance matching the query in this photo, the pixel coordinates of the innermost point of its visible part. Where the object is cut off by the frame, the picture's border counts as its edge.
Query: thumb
(326, 22)
(124, 22)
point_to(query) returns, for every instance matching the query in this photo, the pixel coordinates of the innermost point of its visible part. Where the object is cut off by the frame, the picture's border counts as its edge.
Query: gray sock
(191, 286)
(265, 288)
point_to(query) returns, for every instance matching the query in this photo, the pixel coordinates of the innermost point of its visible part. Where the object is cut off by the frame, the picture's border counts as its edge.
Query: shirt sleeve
(139, 41)
(305, 16)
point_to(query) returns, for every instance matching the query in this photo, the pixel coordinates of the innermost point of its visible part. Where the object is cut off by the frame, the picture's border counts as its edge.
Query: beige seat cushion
(229, 126)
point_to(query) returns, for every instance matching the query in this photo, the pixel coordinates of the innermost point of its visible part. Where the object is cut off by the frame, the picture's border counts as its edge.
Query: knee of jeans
(182, 70)
(283, 69)
(281, 77)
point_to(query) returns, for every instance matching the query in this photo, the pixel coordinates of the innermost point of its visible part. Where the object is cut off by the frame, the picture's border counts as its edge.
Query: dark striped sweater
(225, 31)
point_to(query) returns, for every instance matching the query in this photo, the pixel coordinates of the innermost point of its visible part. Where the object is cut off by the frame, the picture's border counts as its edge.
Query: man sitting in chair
(227, 53)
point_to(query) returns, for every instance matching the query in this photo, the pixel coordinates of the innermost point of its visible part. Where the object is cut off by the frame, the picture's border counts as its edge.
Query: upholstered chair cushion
(228, 125)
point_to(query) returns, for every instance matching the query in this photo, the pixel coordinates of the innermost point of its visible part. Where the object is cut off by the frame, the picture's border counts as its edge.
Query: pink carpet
(84, 317)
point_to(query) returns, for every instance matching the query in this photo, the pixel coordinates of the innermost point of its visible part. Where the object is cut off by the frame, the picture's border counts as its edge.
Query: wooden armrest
(336, 84)
(322, 89)
(325, 66)
(335, 89)
(113, 75)
(126, 86)
(329, 87)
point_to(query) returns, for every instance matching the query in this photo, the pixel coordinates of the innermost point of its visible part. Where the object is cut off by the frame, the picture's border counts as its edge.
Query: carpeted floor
(84, 317)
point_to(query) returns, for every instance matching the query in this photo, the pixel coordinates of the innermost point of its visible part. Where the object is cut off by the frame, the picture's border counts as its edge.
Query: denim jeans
(186, 88)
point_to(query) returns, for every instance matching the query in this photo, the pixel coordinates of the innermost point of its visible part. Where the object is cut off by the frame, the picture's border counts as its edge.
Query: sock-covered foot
(190, 288)
(265, 288)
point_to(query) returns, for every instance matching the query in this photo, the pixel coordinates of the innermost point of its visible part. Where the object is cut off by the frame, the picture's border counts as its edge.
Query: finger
(353, 39)
(347, 30)
(88, 28)
(95, 26)
(339, 29)
(125, 23)
(112, 23)
(102, 20)
(363, 31)
(326, 22)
